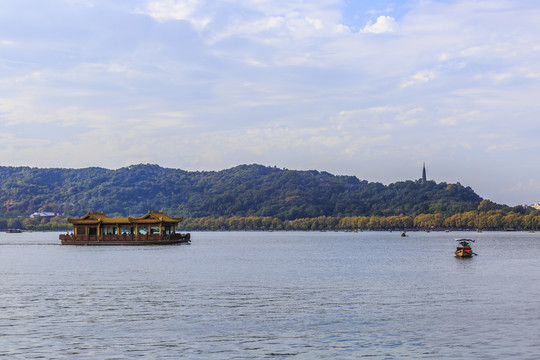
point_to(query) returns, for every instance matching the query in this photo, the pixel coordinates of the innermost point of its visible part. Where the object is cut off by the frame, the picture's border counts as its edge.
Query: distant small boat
(403, 234)
(13, 231)
(464, 248)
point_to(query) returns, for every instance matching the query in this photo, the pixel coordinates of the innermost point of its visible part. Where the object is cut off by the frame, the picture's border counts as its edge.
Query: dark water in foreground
(281, 295)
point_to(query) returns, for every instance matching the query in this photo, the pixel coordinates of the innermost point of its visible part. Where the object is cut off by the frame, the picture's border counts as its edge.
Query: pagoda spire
(424, 179)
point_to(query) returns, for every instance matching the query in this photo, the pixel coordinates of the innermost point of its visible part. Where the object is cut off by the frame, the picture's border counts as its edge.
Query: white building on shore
(44, 214)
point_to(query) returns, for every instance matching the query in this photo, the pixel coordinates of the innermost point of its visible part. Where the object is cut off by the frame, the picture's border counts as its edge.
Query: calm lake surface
(279, 295)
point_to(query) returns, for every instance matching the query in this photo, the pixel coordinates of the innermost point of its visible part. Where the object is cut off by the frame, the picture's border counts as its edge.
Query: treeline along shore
(496, 220)
(471, 220)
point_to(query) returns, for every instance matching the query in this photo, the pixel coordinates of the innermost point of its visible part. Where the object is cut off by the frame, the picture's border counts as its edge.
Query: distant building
(536, 206)
(424, 179)
(44, 214)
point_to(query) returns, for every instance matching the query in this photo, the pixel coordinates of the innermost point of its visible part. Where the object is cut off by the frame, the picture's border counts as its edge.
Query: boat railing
(124, 237)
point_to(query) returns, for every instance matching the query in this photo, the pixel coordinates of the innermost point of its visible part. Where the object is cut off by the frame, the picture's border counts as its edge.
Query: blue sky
(365, 88)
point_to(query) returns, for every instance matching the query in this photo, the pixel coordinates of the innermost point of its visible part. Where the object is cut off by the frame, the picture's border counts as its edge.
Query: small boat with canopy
(463, 249)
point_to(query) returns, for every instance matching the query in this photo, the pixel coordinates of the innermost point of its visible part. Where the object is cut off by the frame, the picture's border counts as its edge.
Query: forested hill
(245, 190)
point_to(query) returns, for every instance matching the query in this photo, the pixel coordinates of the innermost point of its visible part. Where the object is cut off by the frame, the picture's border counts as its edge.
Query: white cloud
(276, 24)
(502, 77)
(23, 78)
(464, 117)
(164, 10)
(502, 147)
(419, 77)
(384, 24)
(276, 30)
(449, 121)
(255, 62)
(11, 143)
(532, 185)
(378, 118)
(444, 57)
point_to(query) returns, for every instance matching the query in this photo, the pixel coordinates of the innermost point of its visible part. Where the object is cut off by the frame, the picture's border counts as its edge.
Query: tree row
(489, 220)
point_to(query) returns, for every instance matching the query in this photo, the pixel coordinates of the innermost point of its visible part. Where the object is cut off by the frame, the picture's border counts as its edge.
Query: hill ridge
(243, 190)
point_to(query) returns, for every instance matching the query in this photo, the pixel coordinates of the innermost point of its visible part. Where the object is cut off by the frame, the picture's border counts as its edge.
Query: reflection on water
(272, 295)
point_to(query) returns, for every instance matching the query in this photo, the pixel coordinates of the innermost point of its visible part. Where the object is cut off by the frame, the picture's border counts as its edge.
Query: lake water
(279, 295)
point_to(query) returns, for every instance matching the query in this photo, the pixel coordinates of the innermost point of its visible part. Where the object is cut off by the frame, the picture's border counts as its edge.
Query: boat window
(143, 230)
(81, 230)
(125, 231)
(154, 230)
(92, 230)
(166, 230)
(109, 230)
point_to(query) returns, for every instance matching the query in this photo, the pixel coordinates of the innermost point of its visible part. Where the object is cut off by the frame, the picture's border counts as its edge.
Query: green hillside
(245, 190)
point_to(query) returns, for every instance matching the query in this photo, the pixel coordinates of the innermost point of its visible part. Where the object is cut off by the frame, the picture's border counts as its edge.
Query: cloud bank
(371, 90)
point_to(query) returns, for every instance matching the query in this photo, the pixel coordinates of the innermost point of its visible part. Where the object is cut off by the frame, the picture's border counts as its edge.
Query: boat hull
(13, 231)
(464, 253)
(122, 240)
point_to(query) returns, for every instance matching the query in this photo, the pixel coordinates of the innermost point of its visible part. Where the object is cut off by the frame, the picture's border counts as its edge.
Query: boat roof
(468, 240)
(152, 217)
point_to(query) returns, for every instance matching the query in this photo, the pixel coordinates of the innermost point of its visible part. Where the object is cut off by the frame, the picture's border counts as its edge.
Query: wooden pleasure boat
(154, 228)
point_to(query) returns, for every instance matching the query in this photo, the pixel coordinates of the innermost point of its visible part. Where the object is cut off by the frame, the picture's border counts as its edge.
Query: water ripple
(224, 299)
